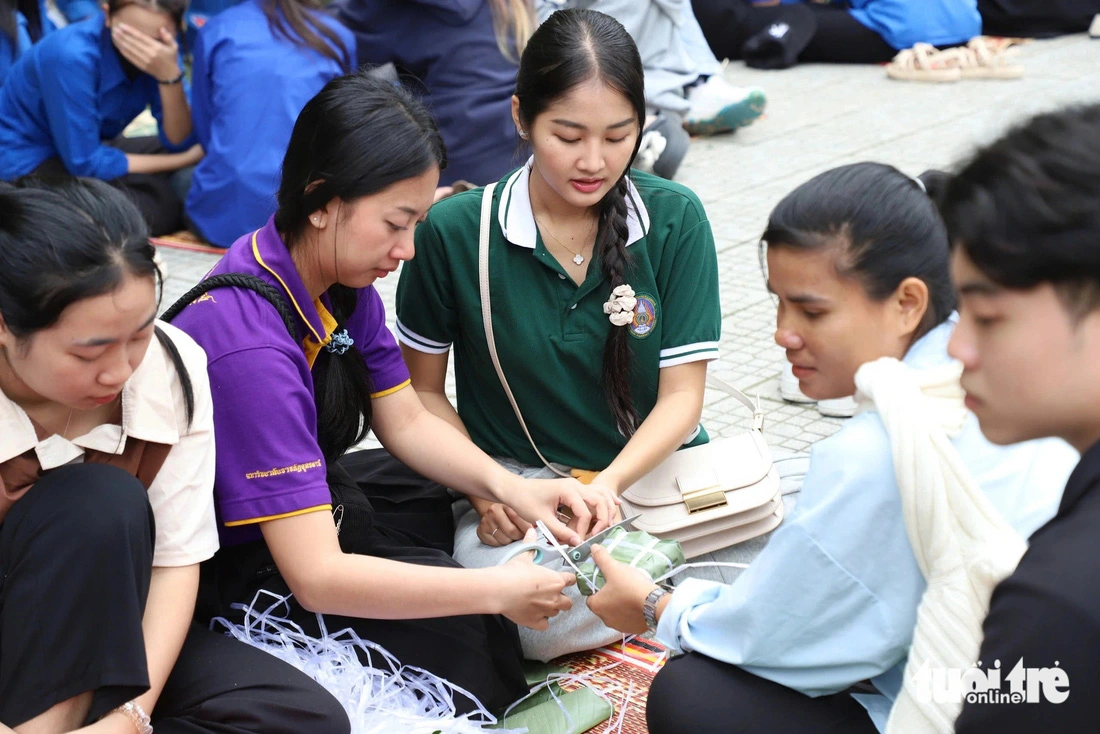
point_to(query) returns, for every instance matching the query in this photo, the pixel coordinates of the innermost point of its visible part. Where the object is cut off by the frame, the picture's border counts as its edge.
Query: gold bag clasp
(700, 491)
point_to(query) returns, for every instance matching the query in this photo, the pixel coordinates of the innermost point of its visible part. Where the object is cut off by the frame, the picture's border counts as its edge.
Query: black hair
(68, 240)
(300, 22)
(887, 224)
(357, 137)
(1026, 209)
(173, 8)
(9, 25)
(572, 47)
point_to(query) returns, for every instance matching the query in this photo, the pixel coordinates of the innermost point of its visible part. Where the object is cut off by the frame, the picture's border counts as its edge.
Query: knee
(662, 704)
(96, 503)
(673, 703)
(331, 718)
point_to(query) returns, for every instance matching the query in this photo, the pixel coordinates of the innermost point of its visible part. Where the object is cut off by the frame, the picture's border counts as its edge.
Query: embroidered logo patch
(645, 316)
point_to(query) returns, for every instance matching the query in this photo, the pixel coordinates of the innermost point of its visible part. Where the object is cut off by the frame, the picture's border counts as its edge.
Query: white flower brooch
(620, 307)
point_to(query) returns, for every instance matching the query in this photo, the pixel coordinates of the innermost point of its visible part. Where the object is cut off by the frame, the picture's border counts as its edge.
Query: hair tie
(620, 306)
(920, 183)
(340, 342)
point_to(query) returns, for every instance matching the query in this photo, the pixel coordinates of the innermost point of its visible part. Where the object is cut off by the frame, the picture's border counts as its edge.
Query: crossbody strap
(237, 280)
(487, 317)
(487, 320)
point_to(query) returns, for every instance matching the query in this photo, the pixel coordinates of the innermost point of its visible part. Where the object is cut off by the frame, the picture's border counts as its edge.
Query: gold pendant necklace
(578, 258)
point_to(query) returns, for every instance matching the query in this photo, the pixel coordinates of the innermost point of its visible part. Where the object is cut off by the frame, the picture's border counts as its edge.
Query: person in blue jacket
(466, 54)
(858, 259)
(22, 23)
(254, 68)
(76, 10)
(780, 33)
(68, 99)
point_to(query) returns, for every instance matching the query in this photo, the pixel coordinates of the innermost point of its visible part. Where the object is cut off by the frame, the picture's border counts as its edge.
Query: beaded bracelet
(137, 716)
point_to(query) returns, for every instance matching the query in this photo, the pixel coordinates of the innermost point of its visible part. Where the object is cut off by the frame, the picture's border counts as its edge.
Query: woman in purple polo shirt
(294, 391)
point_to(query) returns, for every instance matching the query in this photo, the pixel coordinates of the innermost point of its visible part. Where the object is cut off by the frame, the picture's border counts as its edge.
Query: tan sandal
(923, 63)
(983, 59)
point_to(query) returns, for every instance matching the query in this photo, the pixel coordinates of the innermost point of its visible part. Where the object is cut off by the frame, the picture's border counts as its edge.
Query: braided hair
(573, 47)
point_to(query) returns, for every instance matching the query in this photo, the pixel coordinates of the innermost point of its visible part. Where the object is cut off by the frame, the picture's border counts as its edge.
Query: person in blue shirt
(22, 23)
(780, 33)
(77, 10)
(67, 100)
(242, 55)
(465, 53)
(858, 258)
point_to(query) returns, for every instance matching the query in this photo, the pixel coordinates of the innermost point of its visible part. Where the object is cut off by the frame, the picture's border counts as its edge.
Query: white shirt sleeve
(182, 495)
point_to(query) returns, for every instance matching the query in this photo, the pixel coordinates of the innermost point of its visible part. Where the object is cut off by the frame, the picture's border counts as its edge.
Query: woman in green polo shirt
(604, 291)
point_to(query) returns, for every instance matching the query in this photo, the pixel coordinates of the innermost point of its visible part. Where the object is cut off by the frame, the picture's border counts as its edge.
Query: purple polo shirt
(269, 464)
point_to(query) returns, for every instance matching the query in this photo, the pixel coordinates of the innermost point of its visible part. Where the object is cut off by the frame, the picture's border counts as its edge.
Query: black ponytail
(887, 222)
(570, 48)
(357, 137)
(66, 241)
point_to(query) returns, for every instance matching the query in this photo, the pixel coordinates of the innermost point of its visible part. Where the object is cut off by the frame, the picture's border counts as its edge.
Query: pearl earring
(523, 134)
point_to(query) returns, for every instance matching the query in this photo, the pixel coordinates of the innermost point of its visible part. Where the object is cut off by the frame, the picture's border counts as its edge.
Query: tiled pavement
(818, 117)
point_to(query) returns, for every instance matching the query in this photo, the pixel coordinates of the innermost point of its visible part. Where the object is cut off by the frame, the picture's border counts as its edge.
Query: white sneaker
(158, 261)
(1094, 29)
(788, 387)
(717, 106)
(838, 407)
(835, 408)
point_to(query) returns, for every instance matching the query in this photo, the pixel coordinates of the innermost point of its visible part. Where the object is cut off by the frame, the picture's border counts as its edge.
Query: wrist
(135, 716)
(656, 598)
(493, 588)
(170, 77)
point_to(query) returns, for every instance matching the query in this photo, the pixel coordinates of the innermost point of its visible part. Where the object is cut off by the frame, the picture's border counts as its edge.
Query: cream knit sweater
(962, 544)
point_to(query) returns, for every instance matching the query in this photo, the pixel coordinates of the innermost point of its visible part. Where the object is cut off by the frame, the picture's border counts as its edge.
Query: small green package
(635, 548)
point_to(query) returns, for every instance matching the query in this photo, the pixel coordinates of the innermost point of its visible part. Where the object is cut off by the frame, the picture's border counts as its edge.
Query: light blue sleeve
(832, 599)
(69, 96)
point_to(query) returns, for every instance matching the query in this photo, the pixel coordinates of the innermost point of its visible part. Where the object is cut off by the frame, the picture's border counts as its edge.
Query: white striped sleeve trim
(697, 346)
(698, 352)
(694, 434)
(410, 338)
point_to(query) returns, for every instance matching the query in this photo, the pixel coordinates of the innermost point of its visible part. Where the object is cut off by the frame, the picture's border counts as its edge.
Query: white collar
(517, 221)
(149, 413)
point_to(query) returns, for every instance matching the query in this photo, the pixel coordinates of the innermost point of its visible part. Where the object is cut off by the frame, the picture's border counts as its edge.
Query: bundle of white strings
(380, 695)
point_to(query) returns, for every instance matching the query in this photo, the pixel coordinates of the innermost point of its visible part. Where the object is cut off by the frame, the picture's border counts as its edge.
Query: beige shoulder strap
(487, 316)
(487, 320)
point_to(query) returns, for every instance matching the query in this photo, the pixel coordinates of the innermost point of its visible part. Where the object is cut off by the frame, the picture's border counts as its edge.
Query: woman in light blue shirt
(858, 258)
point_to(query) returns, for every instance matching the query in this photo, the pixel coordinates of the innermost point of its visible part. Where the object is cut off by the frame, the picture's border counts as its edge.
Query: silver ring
(494, 533)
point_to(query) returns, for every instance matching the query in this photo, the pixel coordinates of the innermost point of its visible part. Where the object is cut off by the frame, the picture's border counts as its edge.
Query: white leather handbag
(706, 497)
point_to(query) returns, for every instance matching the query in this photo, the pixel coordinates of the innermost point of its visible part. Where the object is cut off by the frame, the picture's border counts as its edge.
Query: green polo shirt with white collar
(550, 331)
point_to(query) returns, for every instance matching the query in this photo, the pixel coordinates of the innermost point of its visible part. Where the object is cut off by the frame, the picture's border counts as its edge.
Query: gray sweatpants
(671, 43)
(572, 631)
(579, 629)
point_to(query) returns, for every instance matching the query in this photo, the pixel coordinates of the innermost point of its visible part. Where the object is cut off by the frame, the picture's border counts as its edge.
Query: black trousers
(479, 653)
(697, 694)
(836, 37)
(152, 193)
(76, 556)
(1036, 18)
